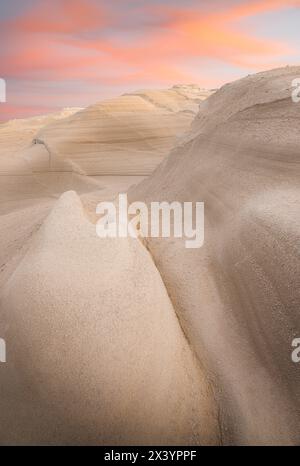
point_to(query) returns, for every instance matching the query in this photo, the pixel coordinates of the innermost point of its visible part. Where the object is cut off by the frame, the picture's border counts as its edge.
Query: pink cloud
(53, 42)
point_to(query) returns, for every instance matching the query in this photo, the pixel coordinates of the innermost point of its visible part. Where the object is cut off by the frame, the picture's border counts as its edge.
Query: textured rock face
(16, 135)
(41, 158)
(238, 296)
(96, 353)
(128, 135)
(18, 184)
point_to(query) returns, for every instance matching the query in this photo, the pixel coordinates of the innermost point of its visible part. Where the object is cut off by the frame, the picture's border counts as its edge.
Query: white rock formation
(238, 297)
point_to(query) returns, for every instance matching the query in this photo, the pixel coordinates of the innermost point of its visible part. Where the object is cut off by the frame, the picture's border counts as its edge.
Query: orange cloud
(218, 34)
(63, 16)
(79, 40)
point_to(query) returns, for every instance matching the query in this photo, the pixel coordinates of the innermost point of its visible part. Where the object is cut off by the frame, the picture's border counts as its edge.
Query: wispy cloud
(137, 43)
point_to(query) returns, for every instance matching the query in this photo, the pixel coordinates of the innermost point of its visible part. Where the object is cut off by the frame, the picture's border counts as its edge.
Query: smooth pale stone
(96, 354)
(127, 135)
(238, 297)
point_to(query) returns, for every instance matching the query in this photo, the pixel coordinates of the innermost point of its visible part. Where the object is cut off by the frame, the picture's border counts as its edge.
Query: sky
(72, 53)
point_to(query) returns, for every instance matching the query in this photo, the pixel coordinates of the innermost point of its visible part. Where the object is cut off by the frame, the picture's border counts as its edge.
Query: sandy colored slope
(96, 353)
(128, 135)
(17, 134)
(22, 187)
(238, 296)
(19, 186)
(16, 229)
(40, 157)
(26, 195)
